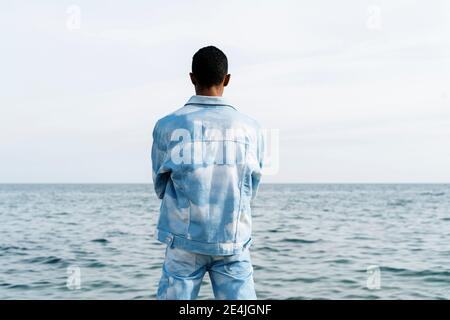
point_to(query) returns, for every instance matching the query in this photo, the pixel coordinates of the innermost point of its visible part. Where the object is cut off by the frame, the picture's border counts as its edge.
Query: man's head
(209, 71)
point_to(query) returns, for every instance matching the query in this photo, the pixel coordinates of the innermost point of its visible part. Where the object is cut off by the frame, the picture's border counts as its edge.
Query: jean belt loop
(170, 241)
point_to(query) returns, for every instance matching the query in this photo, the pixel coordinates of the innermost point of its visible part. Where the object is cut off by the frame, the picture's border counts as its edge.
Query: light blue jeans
(183, 271)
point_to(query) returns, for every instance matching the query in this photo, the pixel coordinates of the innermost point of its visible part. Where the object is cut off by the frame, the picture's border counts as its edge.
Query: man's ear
(193, 80)
(226, 80)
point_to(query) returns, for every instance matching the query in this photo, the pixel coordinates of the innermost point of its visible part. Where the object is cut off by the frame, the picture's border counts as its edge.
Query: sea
(310, 241)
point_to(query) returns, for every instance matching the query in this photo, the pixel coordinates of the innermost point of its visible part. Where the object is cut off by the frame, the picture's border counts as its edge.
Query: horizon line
(262, 183)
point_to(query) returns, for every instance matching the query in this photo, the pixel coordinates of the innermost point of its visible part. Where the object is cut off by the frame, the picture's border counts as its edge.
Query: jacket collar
(209, 101)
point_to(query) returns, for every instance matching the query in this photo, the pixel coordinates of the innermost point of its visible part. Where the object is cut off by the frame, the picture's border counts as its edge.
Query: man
(207, 160)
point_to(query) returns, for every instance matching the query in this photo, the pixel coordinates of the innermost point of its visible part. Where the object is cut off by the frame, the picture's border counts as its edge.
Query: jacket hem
(213, 249)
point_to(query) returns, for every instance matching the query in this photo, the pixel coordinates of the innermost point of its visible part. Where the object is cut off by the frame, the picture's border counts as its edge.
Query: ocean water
(311, 241)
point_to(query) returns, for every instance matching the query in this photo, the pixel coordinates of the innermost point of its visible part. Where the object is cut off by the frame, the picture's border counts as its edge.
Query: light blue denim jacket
(207, 159)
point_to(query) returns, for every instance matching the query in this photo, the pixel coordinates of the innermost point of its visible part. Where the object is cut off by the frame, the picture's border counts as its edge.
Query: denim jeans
(183, 271)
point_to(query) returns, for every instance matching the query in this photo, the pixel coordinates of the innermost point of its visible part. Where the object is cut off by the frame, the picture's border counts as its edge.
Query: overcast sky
(360, 90)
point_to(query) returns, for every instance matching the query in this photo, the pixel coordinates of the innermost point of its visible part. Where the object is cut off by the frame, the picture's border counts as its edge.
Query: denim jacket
(207, 159)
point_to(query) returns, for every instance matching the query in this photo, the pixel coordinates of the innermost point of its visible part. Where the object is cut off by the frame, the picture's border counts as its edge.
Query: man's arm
(159, 174)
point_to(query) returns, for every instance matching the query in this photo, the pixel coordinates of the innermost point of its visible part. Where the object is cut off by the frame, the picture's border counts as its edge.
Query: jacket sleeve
(159, 154)
(256, 174)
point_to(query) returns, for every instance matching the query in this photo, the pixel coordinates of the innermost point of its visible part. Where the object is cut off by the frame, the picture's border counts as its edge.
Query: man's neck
(214, 91)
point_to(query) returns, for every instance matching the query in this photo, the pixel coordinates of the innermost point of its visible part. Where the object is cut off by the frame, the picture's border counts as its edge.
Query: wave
(96, 264)
(296, 240)
(340, 261)
(116, 233)
(100, 240)
(416, 273)
(308, 280)
(399, 202)
(19, 286)
(434, 194)
(271, 249)
(45, 260)
(8, 248)
(62, 213)
(348, 281)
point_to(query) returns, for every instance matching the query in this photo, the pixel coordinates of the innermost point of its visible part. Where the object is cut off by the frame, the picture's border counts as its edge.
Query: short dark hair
(209, 66)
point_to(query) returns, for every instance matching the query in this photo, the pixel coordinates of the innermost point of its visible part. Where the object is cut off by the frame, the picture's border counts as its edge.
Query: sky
(359, 90)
